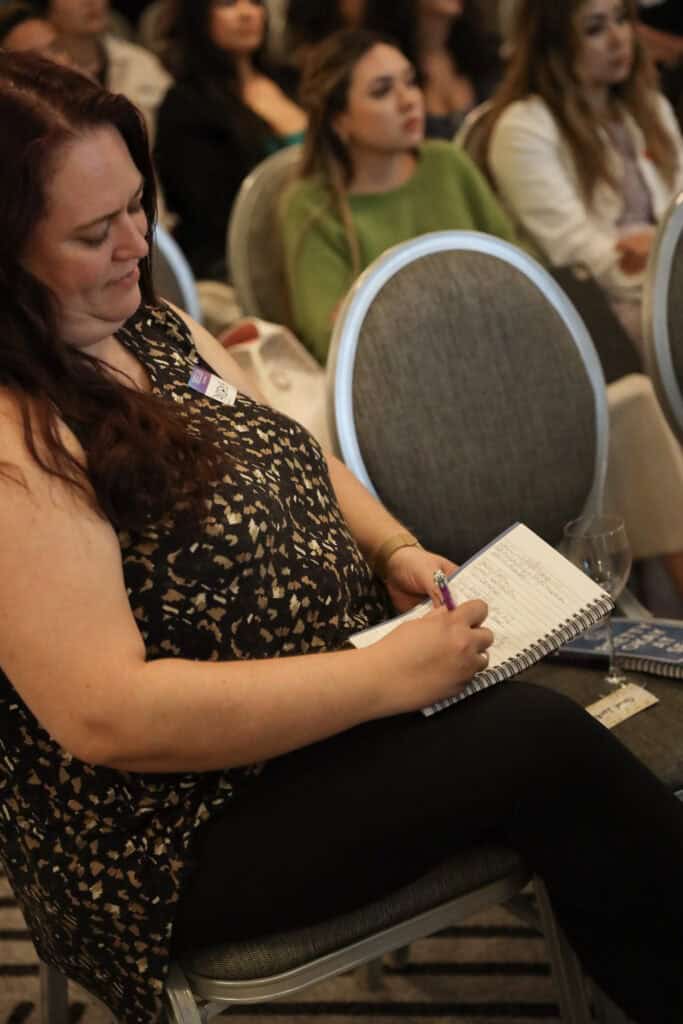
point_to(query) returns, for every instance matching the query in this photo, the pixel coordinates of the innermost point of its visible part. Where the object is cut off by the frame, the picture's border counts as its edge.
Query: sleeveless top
(97, 856)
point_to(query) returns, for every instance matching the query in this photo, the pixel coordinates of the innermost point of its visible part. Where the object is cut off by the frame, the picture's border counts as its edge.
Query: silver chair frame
(242, 214)
(656, 289)
(193, 999)
(349, 323)
(347, 958)
(170, 252)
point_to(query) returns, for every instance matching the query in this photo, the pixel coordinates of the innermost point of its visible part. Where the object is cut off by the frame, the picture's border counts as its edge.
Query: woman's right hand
(428, 659)
(634, 250)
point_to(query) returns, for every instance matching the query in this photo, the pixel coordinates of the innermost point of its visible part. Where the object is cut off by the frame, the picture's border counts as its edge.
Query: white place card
(616, 707)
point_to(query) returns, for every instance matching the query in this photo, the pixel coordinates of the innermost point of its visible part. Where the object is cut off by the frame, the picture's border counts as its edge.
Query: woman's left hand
(410, 577)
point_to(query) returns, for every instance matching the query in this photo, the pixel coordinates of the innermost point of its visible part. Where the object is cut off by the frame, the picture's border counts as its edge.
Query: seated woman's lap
(327, 828)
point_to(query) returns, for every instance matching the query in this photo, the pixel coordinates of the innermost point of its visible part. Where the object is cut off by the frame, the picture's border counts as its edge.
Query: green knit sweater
(446, 191)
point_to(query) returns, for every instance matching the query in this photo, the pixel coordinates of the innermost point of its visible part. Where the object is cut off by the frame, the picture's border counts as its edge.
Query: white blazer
(535, 175)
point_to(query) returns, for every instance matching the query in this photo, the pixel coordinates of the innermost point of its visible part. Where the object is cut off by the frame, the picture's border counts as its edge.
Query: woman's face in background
(79, 17)
(384, 108)
(35, 35)
(605, 35)
(442, 8)
(237, 26)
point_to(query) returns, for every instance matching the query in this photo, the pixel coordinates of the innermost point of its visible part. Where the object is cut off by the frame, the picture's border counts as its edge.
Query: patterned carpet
(488, 970)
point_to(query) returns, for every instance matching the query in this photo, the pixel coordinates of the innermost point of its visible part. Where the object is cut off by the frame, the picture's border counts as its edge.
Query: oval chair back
(467, 393)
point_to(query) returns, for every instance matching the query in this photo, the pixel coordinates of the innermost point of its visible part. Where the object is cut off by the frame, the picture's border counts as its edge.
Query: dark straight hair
(195, 59)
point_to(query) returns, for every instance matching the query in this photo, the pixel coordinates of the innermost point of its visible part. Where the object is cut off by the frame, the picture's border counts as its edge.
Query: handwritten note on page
(533, 594)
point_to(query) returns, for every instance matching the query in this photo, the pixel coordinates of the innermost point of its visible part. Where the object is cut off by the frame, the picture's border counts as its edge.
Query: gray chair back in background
(467, 393)
(172, 274)
(255, 256)
(471, 135)
(663, 315)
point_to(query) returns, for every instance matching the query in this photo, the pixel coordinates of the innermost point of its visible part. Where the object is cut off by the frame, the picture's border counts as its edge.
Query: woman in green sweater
(369, 180)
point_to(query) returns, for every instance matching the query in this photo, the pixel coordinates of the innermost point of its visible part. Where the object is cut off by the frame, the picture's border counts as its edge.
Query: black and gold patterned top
(97, 856)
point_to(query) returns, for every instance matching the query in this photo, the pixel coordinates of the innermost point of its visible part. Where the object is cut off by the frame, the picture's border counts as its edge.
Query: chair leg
(373, 972)
(181, 1006)
(54, 996)
(566, 970)
(401, 956)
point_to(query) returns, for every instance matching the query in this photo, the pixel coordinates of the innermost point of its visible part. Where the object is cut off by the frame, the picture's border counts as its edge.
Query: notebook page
(529, 587)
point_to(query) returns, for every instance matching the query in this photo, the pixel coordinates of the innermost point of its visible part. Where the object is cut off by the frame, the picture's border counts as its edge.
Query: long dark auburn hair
(545, 45)
(198, 61)
(141, 462)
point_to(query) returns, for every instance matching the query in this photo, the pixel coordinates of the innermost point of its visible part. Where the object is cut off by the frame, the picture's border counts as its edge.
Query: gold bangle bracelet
(380, 558)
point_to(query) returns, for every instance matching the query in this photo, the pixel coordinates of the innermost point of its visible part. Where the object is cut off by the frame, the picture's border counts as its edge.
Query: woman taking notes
(187, 755)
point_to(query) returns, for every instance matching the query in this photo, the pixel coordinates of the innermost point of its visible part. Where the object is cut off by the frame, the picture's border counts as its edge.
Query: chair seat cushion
(263, 957)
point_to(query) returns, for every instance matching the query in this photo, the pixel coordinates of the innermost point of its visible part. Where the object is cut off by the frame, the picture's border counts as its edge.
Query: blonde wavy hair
(324, 90)
(545, 46)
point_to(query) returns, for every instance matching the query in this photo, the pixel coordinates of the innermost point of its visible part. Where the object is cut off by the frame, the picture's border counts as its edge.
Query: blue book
(644, 645)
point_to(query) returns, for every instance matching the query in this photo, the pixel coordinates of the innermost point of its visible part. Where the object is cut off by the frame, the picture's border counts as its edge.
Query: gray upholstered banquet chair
(463, 339)
(663, 315)
(172, 274)
(412, 333)
(467, 392)
(262, 970)
(254, 252)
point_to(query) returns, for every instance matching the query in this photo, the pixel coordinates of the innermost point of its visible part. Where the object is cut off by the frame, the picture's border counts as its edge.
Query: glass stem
(615, 676)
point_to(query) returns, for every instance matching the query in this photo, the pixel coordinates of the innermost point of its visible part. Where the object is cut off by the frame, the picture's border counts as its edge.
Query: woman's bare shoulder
(23, 454)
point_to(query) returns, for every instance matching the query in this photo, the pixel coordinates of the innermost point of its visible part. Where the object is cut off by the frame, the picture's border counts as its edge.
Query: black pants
(344, 821)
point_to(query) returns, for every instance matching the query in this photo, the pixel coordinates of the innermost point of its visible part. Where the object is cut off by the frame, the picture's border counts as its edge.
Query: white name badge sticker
(212, 386)
(628, 700)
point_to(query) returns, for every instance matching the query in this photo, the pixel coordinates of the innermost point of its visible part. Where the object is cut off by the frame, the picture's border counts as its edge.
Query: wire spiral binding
(562, 634)
(651, 666)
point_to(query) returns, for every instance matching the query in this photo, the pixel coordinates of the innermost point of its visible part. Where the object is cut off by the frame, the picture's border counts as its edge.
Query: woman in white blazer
(586, 154)
(584, 150)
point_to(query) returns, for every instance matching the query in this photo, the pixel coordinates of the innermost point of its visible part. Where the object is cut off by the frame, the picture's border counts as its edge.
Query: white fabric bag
(284, 372)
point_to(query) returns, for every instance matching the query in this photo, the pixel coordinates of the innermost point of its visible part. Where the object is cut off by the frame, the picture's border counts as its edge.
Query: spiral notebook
(644, 645)
(537, 601)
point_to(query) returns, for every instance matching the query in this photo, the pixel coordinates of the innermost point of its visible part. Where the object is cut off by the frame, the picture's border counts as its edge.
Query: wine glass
(599, 546)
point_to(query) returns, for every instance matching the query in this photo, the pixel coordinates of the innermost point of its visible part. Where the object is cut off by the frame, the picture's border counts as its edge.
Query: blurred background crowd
(556, 127)
(224, 83)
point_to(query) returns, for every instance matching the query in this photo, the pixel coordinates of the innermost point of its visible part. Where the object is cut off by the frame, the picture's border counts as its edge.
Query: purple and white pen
(444, 590)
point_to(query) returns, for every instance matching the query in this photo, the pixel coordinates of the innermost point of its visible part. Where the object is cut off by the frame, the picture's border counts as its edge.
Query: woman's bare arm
(72, 649)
